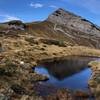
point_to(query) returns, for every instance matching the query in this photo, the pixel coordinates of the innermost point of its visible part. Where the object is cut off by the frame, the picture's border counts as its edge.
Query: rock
(97, 92)
(37, 77)
(62, 94)
(18, 89)
(98, 79)
(3, 72)
(92, 83)
(1, 48)
(62, 17)
(81, 94)
(74, 26)
(25, 66)
(24, 97)
(16, 24)
(27, 97)
(22, 62)
(3, 97)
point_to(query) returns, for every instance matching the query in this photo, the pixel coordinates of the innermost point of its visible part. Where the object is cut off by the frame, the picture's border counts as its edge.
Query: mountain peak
(61, 16)
(61, 10)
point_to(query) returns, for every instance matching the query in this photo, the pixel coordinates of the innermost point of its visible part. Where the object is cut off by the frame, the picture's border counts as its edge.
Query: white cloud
(39, 5)
(36, 5)
(53, 6)
(6, 18)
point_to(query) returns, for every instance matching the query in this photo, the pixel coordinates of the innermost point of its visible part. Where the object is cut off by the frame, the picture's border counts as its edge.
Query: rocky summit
(76, 28)
(23, 46)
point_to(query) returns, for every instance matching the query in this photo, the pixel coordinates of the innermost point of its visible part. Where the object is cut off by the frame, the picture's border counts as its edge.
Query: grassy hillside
(49, 30)
(73, 37)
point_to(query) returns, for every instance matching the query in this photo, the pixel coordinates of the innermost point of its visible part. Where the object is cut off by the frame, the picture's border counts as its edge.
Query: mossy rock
(37, 77)
(3, 72)
(93, 63)
(18, 89)
(97, 91)
(92, 83)
(15, 22)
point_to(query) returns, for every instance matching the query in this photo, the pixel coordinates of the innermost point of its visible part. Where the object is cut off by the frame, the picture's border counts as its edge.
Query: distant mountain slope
(80, 29)
(65, 26)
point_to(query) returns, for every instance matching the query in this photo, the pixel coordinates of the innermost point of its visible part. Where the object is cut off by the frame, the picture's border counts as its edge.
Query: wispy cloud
(6, 18)
(40, 5)
(36, 5)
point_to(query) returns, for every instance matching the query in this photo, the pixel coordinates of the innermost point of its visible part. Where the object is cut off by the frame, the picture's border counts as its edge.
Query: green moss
(38, 77)
(94, 63)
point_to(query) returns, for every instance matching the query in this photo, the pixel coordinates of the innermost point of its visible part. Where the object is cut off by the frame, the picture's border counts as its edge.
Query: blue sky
(36, 10)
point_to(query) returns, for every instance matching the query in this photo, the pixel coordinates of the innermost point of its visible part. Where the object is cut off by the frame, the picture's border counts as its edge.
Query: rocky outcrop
(15, 24)
(62, 17)
(75, 27)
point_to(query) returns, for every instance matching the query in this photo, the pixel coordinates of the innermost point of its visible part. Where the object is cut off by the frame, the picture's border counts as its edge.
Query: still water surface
(72, 73)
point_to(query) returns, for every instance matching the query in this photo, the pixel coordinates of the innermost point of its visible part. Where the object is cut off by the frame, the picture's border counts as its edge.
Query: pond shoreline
(58, 58)
(94, 82)
(76, 93)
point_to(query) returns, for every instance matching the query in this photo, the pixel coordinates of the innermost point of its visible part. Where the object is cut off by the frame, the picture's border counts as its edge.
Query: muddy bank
(94, 83)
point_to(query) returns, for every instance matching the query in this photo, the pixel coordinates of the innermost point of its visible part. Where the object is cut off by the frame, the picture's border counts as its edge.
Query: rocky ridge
(79, 28)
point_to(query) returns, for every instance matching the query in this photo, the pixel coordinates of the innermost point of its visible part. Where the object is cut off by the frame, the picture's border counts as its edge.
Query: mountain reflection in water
(72, 72)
